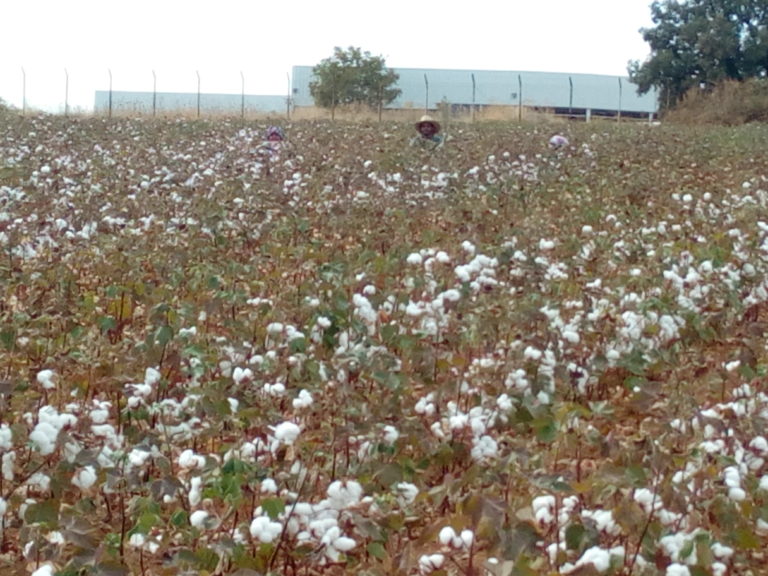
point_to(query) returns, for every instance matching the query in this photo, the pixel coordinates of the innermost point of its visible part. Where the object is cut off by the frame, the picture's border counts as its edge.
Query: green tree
(352, 76)
(701, 43)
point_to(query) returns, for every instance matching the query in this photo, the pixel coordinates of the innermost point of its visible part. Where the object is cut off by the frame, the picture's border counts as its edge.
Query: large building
(576, 93)
(422, 89)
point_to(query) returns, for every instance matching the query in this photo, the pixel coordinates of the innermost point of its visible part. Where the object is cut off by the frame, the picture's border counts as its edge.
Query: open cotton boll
(343, 494)
(264, 529)
(198, 518)
(85, 478)
(189, 460)
(430, 563)
(44, 438)
(44, 570)
(47, 379)
(286, 432)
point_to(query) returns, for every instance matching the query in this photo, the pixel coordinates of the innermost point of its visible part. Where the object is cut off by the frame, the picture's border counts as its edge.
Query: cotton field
(355, 357)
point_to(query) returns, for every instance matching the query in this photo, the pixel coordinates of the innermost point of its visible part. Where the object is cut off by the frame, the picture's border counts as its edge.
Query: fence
(456, 94)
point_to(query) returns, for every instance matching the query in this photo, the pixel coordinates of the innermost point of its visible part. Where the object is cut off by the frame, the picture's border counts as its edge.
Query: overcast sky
(54, 50)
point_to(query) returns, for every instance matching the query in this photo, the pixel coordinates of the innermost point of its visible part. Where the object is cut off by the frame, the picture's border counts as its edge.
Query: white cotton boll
(286, 432)
(137, 456)
(198, 518)
(151, 376)
(344, 544)
(84, 478)
(44, 438)
(8, 467)
(343, 494)
(304, 400)
(597, 557)
(467, 538)
(268, 486)
(546, 245)
(721, 551)
(430, 563)
(414, 259)
(758, 443)
(47, 379)
(189, 460)
(406, 492)
(275, 328)
(195, 491)
(732, 477)
(737, 494)
(240, 375)
(44, 570)
(323, 322)
(543, 508)
(571, 336)
(264, 529)
(678, 570)
(390, 434)
(531, 353)
(447, 536)
(6, 437)
(234, 404)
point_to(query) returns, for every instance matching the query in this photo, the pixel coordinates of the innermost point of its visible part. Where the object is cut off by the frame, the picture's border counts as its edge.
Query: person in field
(428, 137)
(558, 142)
(274, 143)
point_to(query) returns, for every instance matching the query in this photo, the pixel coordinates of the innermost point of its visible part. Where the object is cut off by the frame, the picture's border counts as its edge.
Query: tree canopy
(701, 43)
(352, 76)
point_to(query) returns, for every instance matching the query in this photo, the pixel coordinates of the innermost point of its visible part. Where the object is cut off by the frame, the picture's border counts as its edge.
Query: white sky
(263, 39)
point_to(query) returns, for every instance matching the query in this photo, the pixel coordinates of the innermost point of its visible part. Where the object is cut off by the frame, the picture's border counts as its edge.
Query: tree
(353, 77)
(701, 43)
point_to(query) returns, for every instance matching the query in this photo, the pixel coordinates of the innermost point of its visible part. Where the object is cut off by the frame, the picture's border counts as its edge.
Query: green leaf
(377, 550)
(45, 512)
(273, 507)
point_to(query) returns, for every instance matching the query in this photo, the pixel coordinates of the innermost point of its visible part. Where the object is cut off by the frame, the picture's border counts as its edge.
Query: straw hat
(426, 119)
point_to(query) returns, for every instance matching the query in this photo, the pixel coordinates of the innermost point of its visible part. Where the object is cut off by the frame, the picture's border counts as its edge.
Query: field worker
(274, 142)
(558, 142)
(428, 137)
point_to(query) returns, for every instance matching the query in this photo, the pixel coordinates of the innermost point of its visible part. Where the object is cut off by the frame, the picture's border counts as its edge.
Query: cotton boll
(467, 538)
(264, 529)
(47, 379)
(678, 570)
(195, 491)
(44, 438)
(390, 435)
(447, 536)
(344, 494)
(286, 432)
(44, 570)
(189, 460)
(6, 437)
(198, 518)
(84, 478)
(268, 486)
(406, 493)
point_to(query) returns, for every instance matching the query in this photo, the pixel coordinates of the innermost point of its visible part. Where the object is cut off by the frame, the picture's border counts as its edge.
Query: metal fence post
(66, 92)
(519, 98)
(110, 91)
(570, 97)
(473, 97)
(198, 92)
(23, 92)
(426, 100)
(619, 115)
(154, 94)
(242, 95)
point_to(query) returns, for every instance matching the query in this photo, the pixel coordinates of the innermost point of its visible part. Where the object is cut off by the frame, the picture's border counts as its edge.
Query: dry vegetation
(358, 359)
